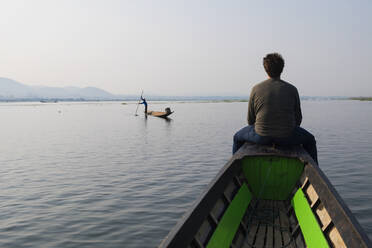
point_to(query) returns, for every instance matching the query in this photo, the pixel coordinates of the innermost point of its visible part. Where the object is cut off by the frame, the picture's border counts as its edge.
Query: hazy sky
(191, 47)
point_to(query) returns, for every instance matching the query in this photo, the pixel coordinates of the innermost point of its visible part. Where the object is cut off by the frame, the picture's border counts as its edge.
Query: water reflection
(167, 119)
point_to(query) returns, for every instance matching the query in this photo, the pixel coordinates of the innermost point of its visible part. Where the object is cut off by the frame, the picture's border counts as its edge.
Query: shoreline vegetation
(361, 98)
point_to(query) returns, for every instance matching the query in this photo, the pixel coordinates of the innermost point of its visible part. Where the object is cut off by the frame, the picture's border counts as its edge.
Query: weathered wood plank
(261, 233)
(311, 194)
(292, 221)
(197, 243)
(249, 242)
(250, 149)
(278, 239)
(270, 228)
(231, 190)
(239, 238)
(303, 180)
(252, 226)
(323, 216)
(219, 208)
(204, 232)
(284, 223)
(260, 236)
(296, 231)
(300, 242)
(335, 238)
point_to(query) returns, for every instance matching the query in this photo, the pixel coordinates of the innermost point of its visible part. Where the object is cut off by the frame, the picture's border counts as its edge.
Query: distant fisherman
(144, 103)
(274, 112)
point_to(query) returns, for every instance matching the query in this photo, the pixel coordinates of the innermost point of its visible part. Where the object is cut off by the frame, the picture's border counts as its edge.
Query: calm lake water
(95, 175)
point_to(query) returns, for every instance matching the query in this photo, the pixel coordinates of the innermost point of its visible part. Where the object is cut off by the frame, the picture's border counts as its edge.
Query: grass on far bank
(361, 98)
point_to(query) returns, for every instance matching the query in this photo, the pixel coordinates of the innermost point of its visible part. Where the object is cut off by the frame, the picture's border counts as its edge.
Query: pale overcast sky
(190, 47)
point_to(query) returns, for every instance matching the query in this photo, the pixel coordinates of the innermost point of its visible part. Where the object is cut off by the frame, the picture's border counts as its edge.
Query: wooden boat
(160, 114)
(268, 197)
(48, 101)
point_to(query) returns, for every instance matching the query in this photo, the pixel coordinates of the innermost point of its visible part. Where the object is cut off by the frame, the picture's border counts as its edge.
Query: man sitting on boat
(274, 112)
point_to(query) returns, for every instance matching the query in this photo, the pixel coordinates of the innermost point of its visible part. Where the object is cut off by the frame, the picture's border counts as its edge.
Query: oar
(138, 103)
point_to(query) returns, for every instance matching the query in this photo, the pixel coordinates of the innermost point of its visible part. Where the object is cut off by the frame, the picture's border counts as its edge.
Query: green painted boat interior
(310, 228)
(272, 177)
(225, 231)
(267, 178)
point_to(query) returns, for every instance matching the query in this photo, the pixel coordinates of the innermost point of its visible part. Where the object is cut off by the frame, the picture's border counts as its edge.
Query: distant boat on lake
(48, 101)
(160, 114)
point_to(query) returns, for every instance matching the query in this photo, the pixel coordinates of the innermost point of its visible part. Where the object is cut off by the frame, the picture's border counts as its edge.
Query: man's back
(274, 108)
(274, 112)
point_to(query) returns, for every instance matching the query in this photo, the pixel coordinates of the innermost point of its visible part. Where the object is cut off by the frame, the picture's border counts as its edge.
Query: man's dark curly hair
(273, 64)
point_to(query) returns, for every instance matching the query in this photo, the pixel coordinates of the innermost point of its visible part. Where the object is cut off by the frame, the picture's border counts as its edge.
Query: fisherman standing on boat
(144, 103)
(274, 112)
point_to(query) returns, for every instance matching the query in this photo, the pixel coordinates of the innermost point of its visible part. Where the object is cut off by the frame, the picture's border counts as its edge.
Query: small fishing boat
(160, 114)
(48, 101)
(268, 197)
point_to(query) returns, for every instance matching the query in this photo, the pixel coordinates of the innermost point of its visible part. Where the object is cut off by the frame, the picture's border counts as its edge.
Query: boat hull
(268, 197)
(159, 114)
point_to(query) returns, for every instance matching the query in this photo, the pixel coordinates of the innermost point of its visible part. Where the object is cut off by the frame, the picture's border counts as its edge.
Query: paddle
(138, 103)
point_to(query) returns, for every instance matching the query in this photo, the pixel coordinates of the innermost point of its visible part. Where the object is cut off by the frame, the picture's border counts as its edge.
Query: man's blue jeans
(298, 136)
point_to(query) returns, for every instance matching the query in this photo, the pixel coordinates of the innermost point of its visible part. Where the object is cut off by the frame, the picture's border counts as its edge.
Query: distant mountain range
(13, 90)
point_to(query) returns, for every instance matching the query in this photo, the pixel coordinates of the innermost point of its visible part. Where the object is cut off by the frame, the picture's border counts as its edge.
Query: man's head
(273, 64)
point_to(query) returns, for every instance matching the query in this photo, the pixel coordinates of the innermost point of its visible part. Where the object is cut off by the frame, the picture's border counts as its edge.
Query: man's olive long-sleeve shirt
(274, 108)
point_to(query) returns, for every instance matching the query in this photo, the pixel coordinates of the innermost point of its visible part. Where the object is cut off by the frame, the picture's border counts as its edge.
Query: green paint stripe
(310, 228)
(229, 224)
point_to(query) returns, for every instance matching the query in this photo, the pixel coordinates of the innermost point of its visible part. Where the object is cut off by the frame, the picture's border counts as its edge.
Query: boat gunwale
(343, 219)
(201, 207)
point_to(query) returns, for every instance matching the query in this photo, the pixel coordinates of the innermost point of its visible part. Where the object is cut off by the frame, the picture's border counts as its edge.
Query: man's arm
(251, 113)
(298, 114)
